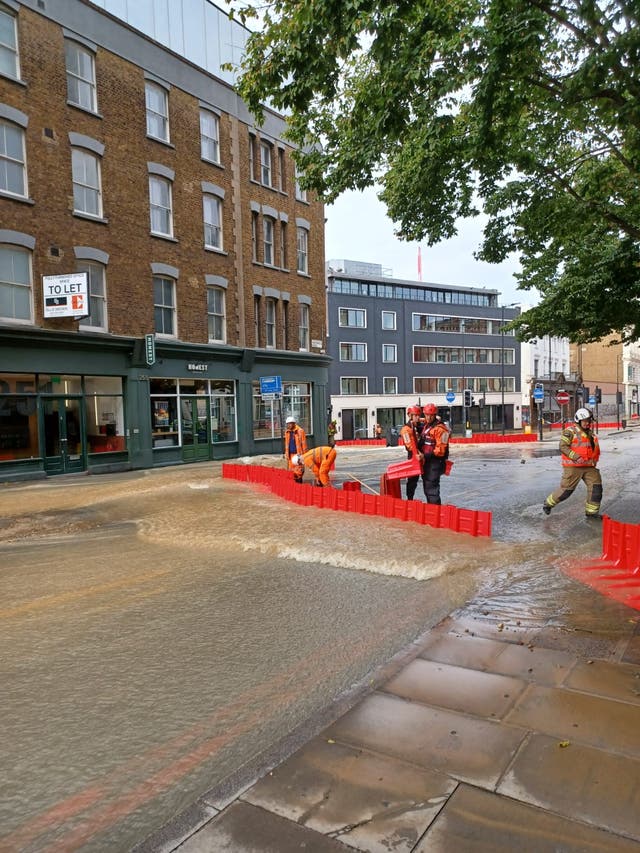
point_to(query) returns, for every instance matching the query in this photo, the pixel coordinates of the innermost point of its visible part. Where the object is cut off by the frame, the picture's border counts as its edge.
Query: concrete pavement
(493, 736)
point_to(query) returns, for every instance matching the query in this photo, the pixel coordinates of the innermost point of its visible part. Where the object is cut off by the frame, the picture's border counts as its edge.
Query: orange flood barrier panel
(350, 499)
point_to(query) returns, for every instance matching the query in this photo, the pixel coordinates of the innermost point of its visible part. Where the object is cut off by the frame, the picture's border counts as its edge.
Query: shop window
(18, 427)
(104, 414)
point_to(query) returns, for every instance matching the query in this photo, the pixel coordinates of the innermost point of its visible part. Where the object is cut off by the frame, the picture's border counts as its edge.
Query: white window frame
(157, 111)
(283, 245)
(165, 307)
(301, 195)
(302, 250)
(216, 314)
(270, 320)
(390, 379)
(389, 353)
(345, 315)
(254, 236)
(86, 187)
(209, 136)
(391, 316)
(212, 216)
(344, 392)
(268, 247)
(81, 81)
(9, 51)
(346, 347)
(15, 286)
(303, 327)
(160, 203)
(9, 163)
(97, 289)
(266, 163)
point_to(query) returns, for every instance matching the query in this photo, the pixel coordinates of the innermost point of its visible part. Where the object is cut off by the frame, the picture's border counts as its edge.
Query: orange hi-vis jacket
(409, 438)
(435, 439)
(299, 437)
(579, 448)
(321, 460)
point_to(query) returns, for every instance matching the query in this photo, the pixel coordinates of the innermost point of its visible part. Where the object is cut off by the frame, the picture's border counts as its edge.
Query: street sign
(538, 395)
(271, 384)
(592, 400)
(450, 396)
(150, 349)
(562, 398)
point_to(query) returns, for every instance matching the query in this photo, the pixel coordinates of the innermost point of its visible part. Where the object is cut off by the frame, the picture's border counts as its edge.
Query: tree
(526, 110)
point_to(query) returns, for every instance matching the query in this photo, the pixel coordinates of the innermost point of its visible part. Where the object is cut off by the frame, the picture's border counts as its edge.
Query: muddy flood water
(164, 632)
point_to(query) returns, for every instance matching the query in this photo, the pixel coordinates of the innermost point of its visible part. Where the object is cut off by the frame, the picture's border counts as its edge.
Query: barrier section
(399, 470)
(472, 522)
(390, 487)
(351, 486)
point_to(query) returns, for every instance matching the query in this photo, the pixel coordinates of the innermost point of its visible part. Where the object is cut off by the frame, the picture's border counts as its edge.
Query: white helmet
(290, 420)
(296, 459)
(582, 415)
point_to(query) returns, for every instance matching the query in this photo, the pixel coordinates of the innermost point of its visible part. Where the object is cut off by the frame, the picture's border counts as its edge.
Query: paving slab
(570, 715)
(477, 821)
(578, 781)
(613, 680)
(482, 694)
(473, 750)
(243, 828)
(371, 802)
(491, 629)
(463, 650)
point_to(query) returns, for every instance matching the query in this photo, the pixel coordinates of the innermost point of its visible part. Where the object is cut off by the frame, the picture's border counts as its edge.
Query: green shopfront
(73, 403)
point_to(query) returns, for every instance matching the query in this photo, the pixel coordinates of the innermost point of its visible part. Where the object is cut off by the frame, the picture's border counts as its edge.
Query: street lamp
(510, 305)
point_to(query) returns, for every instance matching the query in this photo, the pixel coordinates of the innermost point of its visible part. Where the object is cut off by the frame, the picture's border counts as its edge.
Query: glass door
(194, 423)
(64, 435)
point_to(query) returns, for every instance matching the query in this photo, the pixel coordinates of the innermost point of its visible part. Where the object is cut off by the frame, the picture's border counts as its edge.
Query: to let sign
(562, 397)
(65, 295)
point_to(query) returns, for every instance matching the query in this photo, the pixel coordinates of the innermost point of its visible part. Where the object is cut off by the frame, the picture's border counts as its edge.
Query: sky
(358, 229)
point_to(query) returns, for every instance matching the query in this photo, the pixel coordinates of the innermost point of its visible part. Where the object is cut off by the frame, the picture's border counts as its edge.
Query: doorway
(64, 435)
(196, 434)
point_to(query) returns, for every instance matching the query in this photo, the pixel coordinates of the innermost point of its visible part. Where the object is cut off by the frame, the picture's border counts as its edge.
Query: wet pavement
(508, 723)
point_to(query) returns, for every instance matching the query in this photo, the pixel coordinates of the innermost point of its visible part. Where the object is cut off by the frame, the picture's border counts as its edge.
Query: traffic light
(467, 398)
(598, 394)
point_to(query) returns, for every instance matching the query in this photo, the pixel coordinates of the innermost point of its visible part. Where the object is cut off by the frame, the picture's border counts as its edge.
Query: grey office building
(395, 343)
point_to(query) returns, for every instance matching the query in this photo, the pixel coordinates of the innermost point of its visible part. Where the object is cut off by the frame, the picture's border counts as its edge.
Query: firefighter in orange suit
(409, 438)
(580, 451)
(295, 444)
(434, 444)
(321, 460)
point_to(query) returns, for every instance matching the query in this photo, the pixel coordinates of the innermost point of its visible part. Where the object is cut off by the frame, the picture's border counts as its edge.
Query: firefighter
(434, 444)
(295, 444)
(321, 460)
(409, 437)
(580, 451)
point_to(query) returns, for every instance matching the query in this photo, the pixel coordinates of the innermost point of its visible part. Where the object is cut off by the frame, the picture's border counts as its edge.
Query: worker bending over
(321, 460)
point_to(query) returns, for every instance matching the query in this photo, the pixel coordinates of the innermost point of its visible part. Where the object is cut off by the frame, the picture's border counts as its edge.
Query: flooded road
(164, 631)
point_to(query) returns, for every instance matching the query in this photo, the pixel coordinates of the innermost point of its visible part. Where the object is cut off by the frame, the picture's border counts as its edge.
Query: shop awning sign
(66, 295)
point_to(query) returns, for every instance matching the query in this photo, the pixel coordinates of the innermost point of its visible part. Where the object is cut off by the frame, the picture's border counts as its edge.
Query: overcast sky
(358, 229)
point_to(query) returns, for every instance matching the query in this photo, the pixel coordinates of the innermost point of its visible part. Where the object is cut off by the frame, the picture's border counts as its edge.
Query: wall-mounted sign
(150, 349)
(66, 295)
(198, 367)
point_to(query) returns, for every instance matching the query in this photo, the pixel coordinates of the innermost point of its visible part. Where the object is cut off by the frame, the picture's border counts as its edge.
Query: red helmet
(430, 409)
(414, 410)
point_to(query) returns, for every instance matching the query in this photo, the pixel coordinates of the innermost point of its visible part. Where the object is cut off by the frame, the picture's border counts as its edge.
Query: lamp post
(618, 361)
(464, 383)
(510, 305)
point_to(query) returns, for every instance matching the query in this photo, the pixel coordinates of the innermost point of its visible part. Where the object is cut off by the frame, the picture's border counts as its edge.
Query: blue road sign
(450, 396)
(271, 384)
(538, 394)
(592, 401)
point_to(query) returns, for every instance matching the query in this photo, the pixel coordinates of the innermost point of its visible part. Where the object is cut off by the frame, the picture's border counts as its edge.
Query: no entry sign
(562, 397)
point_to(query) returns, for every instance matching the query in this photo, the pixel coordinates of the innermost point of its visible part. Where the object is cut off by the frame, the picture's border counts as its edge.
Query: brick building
(157, 257)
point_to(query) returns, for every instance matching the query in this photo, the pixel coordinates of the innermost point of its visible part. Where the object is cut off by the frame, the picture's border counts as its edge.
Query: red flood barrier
(388, 504)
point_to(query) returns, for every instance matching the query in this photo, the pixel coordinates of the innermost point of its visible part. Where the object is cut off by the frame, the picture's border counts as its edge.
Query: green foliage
(526, 110)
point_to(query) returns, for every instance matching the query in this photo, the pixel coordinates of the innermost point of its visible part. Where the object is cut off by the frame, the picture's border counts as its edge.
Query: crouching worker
(321, 460)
